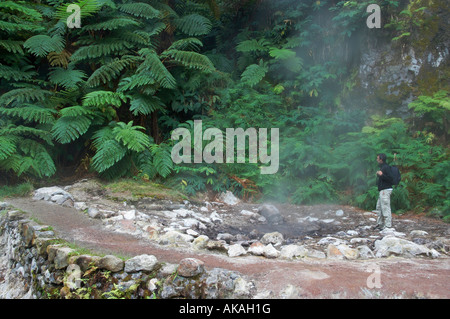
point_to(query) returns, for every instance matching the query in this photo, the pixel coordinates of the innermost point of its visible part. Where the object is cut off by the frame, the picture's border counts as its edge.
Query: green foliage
(105, 97)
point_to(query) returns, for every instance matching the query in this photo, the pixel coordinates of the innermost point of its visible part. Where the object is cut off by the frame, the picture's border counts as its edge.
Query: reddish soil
(312, 278)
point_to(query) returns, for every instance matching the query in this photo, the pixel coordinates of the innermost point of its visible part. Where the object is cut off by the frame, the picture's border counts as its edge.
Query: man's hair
(382, 157)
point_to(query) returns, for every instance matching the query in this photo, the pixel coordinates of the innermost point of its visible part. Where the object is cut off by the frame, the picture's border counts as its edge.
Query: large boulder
(391, 245)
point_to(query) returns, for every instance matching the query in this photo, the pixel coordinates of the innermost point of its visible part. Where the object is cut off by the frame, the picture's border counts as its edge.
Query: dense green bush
(105, 97)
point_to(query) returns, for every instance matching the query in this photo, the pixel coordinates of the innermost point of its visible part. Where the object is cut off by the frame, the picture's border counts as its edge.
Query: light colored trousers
(384, 208)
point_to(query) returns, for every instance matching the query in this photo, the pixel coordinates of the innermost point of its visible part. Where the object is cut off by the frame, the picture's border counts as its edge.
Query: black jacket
(385, 181)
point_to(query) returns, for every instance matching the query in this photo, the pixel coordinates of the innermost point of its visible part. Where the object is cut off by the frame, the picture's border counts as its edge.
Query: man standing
(384, 183)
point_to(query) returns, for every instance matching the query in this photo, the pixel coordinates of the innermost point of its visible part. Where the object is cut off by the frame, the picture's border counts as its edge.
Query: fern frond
(87, 8)
(21, 130)
(162, 159)
(101, 98)
(23, 95)
(110, 71)
(194, 24)
(186, 44)
(25, 12)
(253, 45)
(7, 147)
(101, 49)
(281, 54)
(41, 45)
(12, 46)
(140, 9)
(157, 70)
(254, 73)
(30, 113)
(109, 151)
(67, 78)
(145, 104)
(136, 80)
(75, 111)
(14, 28)
(192, 60)
(59, 58)
(68, 128)
(131, 137)
(13, 73)
(112, 24)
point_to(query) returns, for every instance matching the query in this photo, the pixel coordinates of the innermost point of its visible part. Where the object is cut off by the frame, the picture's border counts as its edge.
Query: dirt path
(308, 278)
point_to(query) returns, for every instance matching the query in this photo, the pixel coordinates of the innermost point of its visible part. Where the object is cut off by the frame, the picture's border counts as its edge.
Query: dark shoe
(377, 227)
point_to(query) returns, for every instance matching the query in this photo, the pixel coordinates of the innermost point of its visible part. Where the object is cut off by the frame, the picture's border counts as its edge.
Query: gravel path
(308, 278)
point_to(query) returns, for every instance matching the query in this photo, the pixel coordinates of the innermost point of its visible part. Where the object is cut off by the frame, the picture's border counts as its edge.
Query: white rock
(339, 213)
(391, 232)
(236, 250)
(257, 248)
(293, 251)
(46, 193)
(128, 214)
(352, 233)
(174, 237)
(365, 252)
(192, 232)
(270, 251)
(228, 198)
(274, 238)
(391, 245)
(141, 262)
(215, 217)
(80, 205)
(93, 212)
(249, 213)
(418, 233)
(331, 240)
(200, 242)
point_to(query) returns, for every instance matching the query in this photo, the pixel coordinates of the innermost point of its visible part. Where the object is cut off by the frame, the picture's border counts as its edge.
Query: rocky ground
(271, 240)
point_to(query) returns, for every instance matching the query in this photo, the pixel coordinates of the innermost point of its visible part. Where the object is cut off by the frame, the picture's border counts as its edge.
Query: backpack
(396, 176)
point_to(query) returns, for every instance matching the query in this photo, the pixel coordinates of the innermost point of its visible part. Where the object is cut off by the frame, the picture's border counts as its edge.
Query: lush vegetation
(104, 98)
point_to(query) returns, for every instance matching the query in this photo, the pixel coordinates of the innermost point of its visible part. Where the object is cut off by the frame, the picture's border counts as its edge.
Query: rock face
(41, 269)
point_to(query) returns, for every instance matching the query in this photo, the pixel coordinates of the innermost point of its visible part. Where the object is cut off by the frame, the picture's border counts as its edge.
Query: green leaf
(41, 45)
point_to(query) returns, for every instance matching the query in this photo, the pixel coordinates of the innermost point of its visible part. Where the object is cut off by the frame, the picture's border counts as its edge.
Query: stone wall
(34, 264)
